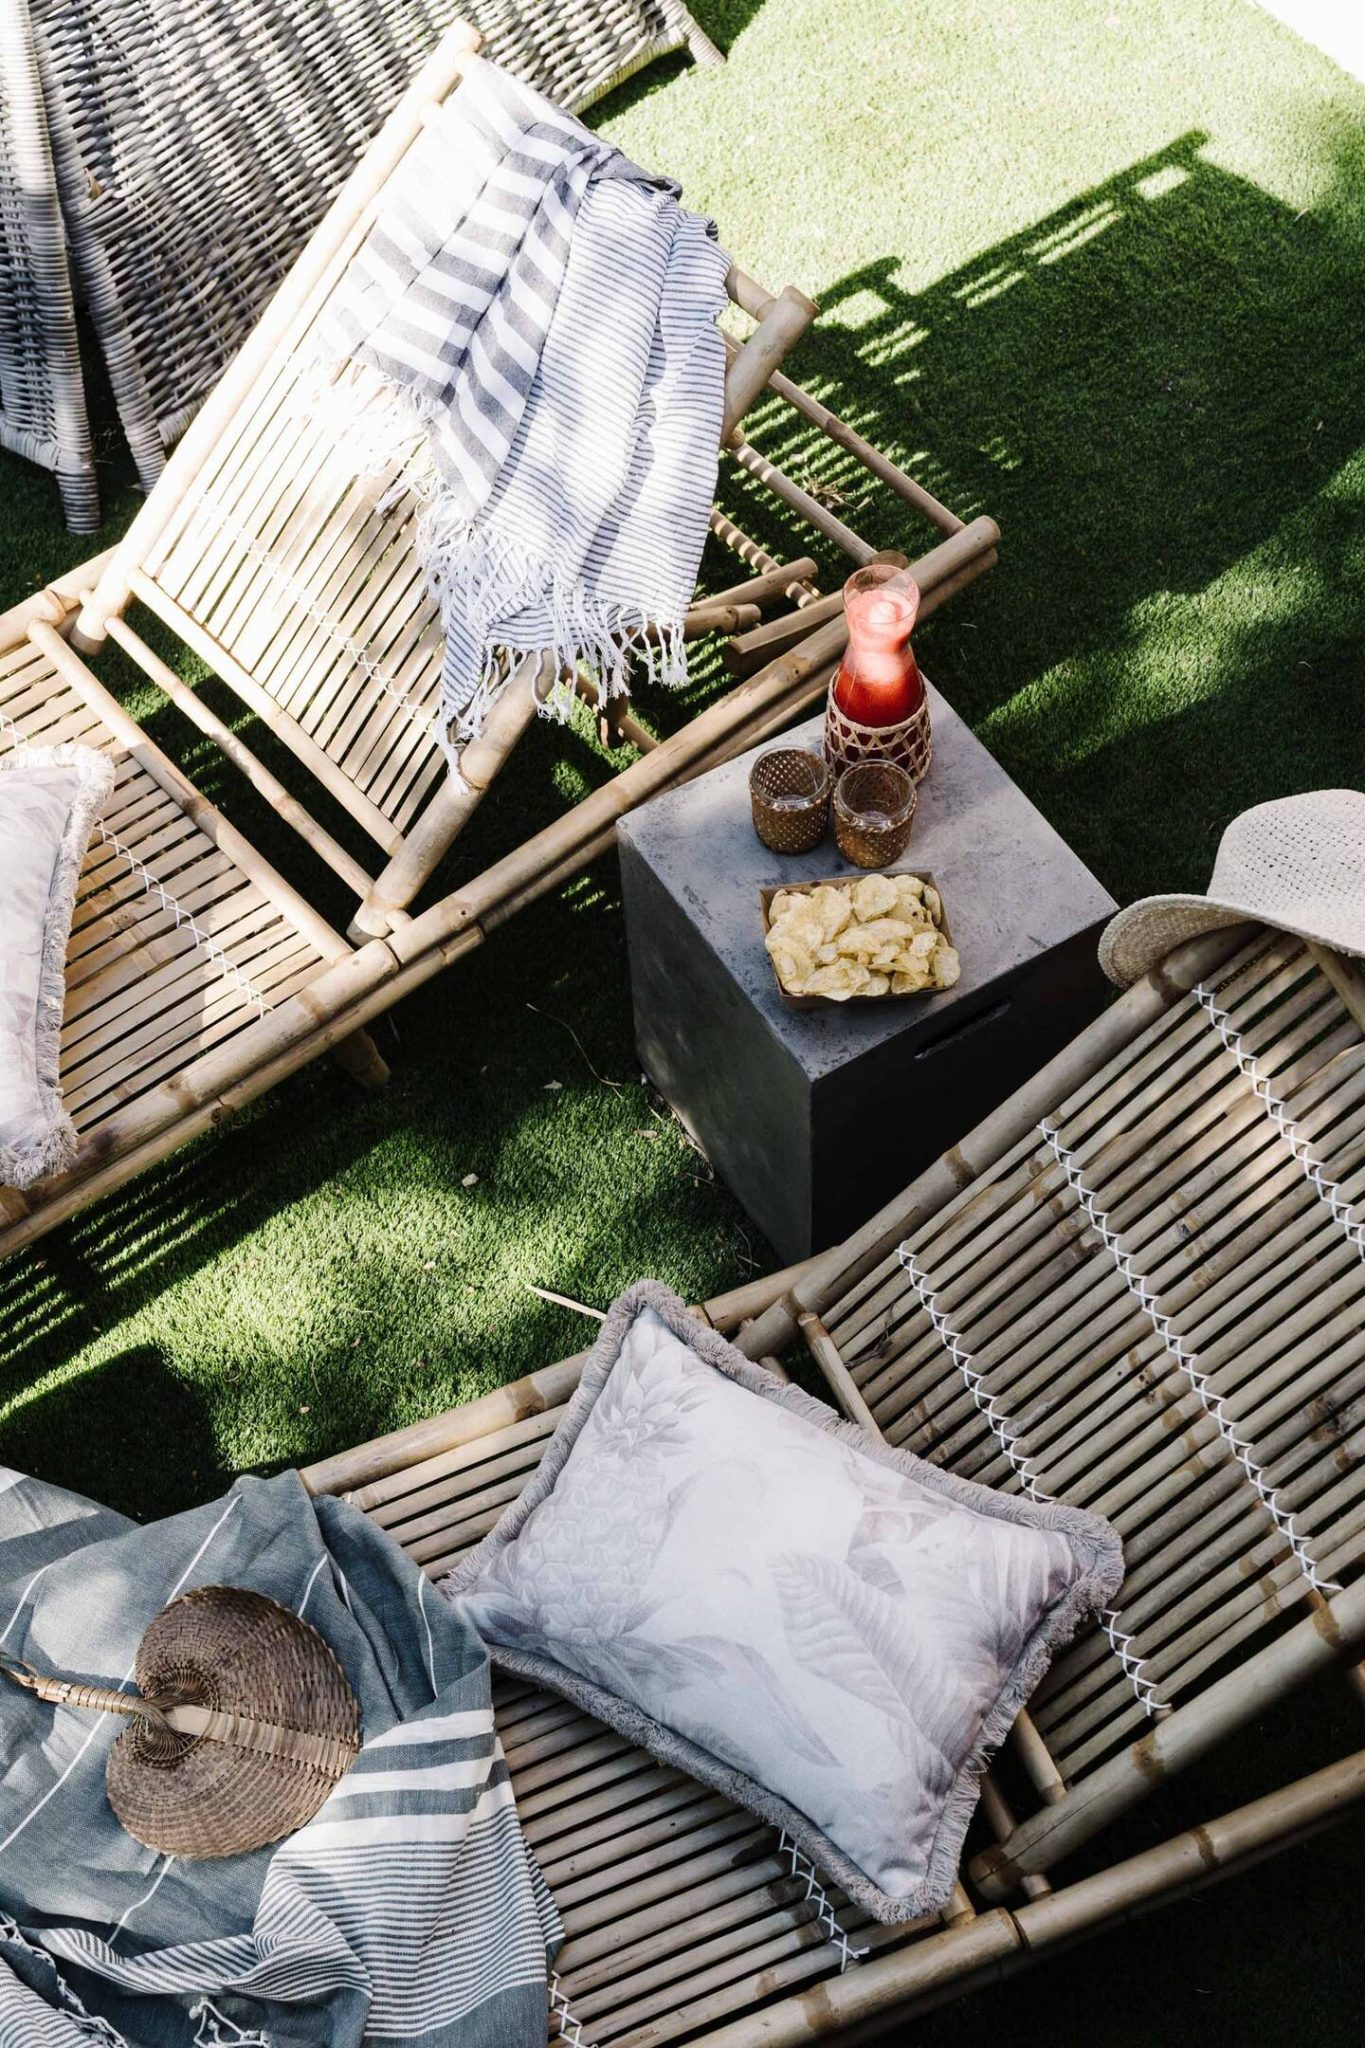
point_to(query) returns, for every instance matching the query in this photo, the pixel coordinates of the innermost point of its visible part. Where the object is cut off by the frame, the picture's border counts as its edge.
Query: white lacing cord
(184, 919)
(1212, 1400)
(1328, 1190)
(803, 1868)
(302, 596)
(1120, 1641)
(569, 2028)
(216, 2031)
(152, 885)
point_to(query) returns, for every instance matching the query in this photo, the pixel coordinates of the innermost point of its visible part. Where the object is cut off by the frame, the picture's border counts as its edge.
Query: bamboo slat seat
(193, 150)
(1139, 1285)
(182, 940)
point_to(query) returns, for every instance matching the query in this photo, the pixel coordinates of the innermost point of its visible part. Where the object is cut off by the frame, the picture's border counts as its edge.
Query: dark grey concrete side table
(816, 1117)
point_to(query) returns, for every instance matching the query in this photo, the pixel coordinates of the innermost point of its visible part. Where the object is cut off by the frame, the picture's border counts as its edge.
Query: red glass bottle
(879, 680)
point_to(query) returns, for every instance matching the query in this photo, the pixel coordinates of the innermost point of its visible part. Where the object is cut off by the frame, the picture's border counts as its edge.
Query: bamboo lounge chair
(198, 974)
(173, 161)
(1138, 1284)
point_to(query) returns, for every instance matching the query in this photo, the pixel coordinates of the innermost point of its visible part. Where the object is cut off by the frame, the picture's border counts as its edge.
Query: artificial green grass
(1094, 267)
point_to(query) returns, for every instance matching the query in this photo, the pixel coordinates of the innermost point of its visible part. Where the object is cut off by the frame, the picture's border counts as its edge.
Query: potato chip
(877, 936)
(840, 981)
(832, 908)
(946, 965)
(875, 896)
(860, 940)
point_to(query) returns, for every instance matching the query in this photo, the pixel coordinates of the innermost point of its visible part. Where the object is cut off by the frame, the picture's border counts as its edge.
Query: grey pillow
(50, 798)
(830, 1631)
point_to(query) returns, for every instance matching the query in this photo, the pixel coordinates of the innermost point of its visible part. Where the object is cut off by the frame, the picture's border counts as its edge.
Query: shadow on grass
(132, 1434)
(1155, 391)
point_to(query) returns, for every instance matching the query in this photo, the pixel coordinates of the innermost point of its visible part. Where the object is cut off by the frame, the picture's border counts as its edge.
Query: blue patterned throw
(408, 1909)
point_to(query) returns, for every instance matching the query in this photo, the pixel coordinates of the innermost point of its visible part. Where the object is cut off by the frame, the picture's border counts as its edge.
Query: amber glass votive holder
(789, 790)
(874, 809)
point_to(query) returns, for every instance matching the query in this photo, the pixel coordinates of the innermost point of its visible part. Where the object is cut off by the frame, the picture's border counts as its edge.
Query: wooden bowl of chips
(858, 938)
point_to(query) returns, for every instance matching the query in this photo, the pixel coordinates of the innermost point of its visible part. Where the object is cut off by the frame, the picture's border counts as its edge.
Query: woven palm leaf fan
(242, 1723)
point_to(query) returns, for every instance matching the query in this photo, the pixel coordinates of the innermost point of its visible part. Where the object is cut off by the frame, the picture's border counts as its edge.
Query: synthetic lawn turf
(1097, 269)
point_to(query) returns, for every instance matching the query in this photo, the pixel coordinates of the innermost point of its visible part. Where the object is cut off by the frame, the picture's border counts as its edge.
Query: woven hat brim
(1136, 939)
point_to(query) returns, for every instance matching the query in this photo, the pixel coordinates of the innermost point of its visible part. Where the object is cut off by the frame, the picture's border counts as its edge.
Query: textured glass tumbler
(874, 809)
(789, 790)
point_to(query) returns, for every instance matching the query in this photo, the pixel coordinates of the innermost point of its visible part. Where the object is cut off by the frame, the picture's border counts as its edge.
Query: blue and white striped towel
(542, 314)
(408, 1909)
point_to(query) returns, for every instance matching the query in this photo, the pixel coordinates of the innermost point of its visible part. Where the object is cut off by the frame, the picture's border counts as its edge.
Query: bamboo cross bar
(945, 570)
(820, 517)
(781, 321)
(1323, 1639)
(270, 787)
(783, 579)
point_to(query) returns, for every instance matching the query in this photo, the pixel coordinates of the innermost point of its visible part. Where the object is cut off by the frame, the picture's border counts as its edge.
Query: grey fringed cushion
(830, 1631)
(50, 798)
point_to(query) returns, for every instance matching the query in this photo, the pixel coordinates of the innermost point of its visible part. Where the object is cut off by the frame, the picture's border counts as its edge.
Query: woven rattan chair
(196, 148)
(269, 562)
(42, 397)
(1139, 1285)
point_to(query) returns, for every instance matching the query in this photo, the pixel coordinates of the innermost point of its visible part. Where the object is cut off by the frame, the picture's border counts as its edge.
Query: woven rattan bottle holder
(847, 743)
(242, 1723)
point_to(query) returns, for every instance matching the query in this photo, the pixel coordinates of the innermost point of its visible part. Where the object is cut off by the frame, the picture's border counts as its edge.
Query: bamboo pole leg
(454, 803)
(781, 323)
(361, 1060)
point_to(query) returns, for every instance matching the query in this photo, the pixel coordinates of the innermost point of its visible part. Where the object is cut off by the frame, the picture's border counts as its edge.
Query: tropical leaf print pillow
(828, 1630)
(50, 798)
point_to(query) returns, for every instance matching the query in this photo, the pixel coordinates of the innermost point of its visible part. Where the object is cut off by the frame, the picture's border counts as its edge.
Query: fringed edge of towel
(388, 433)
(490, 578)
(70, 2007)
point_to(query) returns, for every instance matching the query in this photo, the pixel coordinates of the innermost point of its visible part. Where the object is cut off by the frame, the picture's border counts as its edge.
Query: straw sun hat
(1297, 864)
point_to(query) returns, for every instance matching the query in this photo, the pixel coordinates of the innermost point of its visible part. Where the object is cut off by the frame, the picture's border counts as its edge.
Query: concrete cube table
(816, 1117)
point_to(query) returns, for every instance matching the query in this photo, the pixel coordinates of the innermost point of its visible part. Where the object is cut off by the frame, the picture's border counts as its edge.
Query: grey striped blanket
(541, 313)
(407, 1910)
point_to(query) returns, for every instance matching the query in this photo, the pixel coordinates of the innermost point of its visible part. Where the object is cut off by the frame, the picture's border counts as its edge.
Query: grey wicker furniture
(42, 396)
(1139, 1284)
(199, 972)
(193, 150)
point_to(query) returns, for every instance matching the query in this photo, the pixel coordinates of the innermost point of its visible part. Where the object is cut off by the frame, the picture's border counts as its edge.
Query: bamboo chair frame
(350, 576)
(172, 169)
(1215, 1116)
(297, 582)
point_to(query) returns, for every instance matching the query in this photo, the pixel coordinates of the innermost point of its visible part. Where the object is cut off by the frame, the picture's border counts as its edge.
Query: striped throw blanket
(409, 1908)
(541, 316)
